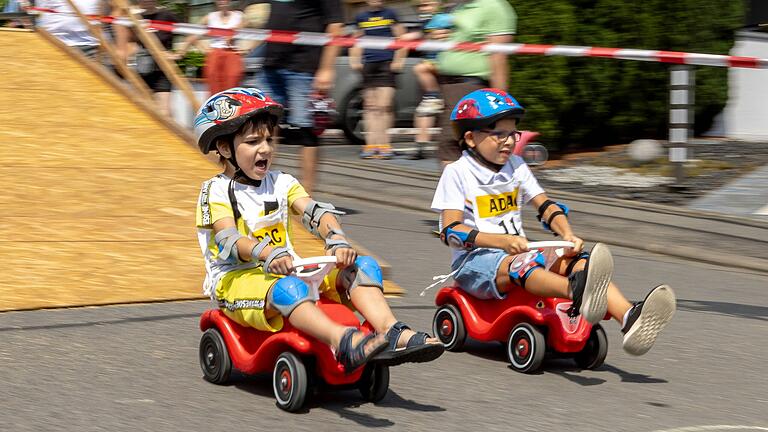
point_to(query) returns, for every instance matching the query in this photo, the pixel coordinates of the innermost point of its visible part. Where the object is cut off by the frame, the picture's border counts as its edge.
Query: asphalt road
(132, 368)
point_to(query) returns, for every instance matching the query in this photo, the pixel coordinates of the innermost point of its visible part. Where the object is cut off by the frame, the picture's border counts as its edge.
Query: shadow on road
(631, 377)
(723, 308)
(342, 402)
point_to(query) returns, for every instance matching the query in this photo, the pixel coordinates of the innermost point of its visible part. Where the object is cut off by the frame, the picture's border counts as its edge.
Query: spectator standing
(378, 68)
(223, 67)
(292, 73)
(492, 21)
(146, 65)
(67, 27)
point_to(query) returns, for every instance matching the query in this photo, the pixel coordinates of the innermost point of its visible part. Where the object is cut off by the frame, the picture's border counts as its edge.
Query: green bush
(588, 102)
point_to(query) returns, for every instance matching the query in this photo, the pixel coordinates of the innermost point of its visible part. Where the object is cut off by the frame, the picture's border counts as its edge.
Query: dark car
(348, 95)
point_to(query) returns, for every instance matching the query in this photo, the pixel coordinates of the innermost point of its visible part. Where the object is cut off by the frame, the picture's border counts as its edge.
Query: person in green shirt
(491, 21)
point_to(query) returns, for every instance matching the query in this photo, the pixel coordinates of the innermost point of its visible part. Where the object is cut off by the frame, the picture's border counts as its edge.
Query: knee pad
(366, 271)
(576, 259)
(287, 293)
(523, 265)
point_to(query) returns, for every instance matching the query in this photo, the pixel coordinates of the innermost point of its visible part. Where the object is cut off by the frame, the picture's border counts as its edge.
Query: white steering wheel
(312, 270)
(559, 246)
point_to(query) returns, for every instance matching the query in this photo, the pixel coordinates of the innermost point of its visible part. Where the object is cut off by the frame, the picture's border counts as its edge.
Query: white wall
(746, 114)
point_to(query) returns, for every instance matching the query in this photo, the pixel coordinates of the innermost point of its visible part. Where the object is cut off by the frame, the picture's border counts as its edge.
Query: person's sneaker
(386, 152)
(589, 287)
(647, 319)
(430, 107)
(419, 153)
(369, 152)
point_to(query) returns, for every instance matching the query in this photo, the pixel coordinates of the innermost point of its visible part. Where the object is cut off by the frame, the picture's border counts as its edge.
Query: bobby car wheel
(448, 326)
(214, 357)
(374, 383)
(289, 381)
(526, 347)
(593, 354)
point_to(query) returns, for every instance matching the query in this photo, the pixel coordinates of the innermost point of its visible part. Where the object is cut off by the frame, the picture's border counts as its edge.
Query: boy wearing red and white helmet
(243, 229)
(480, 198)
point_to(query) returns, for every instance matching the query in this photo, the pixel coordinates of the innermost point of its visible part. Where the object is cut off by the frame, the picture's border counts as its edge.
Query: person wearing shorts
(480, 198)
(378, 69)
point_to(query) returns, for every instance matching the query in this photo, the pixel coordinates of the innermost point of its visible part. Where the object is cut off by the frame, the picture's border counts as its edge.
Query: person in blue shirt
(378, 68)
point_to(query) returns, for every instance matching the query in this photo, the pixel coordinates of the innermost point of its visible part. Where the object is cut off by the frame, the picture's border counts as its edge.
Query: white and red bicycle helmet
(223, 114)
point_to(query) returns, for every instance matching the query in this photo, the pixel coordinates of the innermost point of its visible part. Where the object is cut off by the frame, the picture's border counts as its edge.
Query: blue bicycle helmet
(482, 108)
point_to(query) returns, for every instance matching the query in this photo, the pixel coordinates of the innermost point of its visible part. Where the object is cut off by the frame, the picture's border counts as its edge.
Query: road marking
(763, 211)
(713, 428)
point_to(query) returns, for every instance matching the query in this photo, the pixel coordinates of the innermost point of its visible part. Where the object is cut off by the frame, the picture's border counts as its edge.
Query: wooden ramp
(99, 196)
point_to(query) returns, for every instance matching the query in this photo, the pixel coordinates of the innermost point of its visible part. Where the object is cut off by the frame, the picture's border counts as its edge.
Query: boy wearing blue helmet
(480, 198)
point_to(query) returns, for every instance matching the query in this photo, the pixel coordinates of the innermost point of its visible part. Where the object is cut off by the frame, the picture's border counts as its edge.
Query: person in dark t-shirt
(378, 68)
(294, 73)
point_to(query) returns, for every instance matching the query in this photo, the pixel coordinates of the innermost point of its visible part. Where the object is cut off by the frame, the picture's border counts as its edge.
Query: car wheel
(448, 326)
(526, 347)
(374, 383)
(214, 357)
(593, 354)
(351, 112)
(289, 381)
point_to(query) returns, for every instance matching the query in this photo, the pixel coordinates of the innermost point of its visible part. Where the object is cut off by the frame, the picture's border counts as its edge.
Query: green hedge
(588, 102)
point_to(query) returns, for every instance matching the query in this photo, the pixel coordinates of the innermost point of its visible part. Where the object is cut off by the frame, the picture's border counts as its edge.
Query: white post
(681, 102)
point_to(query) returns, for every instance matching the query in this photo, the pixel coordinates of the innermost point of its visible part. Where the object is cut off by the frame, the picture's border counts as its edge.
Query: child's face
(488, 143)
(254, 151)
(429, 6)
(375, 4)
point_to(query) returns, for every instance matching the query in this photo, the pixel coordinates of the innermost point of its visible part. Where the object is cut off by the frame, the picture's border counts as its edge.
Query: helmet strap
(483, 161)
(239, 175)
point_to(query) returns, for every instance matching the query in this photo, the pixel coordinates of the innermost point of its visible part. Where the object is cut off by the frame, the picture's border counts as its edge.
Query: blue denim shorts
(292, 90)
(478, 274)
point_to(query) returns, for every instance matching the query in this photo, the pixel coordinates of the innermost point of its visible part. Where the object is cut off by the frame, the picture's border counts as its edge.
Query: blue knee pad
(287, 293)
(366, 271)
(522, 267)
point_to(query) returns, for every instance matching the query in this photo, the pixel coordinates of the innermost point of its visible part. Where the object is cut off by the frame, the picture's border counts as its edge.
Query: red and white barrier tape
(321, 39)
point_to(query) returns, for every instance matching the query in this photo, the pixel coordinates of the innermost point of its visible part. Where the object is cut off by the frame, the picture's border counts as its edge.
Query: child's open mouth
(261, 165)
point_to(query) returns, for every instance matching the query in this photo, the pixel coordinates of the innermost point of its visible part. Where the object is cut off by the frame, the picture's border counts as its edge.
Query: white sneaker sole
(594, 302)
(658, 309)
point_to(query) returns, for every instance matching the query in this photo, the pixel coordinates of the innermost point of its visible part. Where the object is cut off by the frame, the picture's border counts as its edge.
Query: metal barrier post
(681, 102)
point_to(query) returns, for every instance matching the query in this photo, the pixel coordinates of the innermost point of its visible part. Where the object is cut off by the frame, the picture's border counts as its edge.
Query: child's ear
(469, 139)
(223, 148)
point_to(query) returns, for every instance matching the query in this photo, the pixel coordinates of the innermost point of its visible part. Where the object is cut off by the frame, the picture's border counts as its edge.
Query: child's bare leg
(425, 73)
(308, 318)
(370, 302)
(540, 282)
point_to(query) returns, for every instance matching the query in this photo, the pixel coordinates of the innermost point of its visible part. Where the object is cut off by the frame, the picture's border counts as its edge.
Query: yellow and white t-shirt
(491, 201)
(263, 209)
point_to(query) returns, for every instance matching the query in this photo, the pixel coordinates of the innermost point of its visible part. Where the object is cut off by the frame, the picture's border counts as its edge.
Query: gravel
(612, 173)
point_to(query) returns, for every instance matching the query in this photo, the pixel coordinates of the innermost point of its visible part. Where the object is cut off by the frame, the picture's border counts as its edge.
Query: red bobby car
(529, 325)
(295, 359)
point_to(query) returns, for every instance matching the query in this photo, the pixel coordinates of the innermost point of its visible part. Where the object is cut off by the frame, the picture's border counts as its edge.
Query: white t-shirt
(215, 20)
(67, 27)
(264, 211)
(492, 201)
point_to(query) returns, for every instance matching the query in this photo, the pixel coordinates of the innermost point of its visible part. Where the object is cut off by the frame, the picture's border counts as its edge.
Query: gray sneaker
(647, 319)
(589, 287)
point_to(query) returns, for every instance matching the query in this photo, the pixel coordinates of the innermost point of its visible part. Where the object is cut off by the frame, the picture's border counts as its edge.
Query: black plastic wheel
(289, 381)
(448, 326)
(374, 383)
(593, 354)
(351, 116)
(526, 347)
(214, 357)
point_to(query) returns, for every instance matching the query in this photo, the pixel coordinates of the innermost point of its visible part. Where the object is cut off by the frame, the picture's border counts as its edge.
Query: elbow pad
(314, 212)
(543, 208)
(458, 239)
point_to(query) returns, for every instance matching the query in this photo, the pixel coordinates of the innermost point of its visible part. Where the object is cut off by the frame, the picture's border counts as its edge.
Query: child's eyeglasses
(502, 136)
